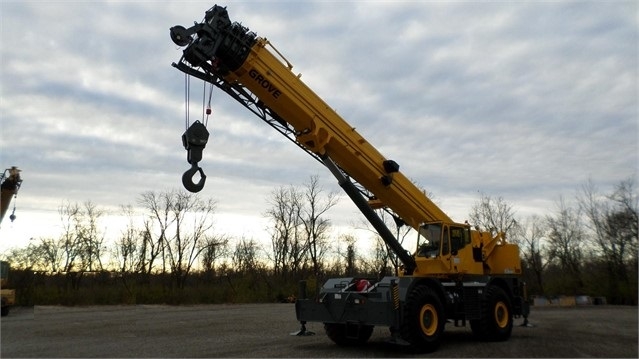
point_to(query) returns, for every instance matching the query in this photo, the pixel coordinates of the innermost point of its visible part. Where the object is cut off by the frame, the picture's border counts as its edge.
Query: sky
(524, 100)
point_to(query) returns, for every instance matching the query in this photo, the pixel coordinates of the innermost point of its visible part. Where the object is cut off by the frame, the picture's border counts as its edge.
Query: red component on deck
(362, 285)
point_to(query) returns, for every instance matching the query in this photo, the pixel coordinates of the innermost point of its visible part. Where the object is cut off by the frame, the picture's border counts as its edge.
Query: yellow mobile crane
(10, 182)
(456, 274)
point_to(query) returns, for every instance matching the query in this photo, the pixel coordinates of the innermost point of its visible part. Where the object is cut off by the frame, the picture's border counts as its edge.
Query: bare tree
(288, 249)
(183, 248)
(127, 245)
(25, 258)
(90, 237)
(81, 242)
(214, 248)
(382, 256)
(175, 230)
(626, 201)
(530, 237)
(565, 244)
(245, 256)
(69, 241)
(125, 254)
(154, 234)
(316, 225)
(401, 232)
(382, 253)
(48, 253)
(612, 221)
(79, 247)
(346, 262)
(495, 215)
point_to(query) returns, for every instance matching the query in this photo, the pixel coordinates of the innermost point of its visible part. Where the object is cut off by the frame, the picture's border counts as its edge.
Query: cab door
(446, 256)
(459, 237)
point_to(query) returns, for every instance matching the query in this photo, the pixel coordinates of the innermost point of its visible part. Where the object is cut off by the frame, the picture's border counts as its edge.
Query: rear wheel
(423, 320)
(352, 334)
(496, 323)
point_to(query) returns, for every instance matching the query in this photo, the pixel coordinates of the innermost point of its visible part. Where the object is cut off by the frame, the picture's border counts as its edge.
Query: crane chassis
(457, 274)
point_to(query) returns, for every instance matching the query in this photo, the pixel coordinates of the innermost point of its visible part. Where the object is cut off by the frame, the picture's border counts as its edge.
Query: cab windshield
(432, 235)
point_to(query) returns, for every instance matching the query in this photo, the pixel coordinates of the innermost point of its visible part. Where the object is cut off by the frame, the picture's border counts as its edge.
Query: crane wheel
(348, 335)
(496, 323)
(423, 320)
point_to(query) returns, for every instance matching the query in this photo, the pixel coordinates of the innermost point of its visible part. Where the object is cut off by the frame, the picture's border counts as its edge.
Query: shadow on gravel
(380, 347)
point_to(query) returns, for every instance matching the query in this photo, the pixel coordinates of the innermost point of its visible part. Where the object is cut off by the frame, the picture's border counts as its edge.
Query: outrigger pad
(526, 324)
(303, 332)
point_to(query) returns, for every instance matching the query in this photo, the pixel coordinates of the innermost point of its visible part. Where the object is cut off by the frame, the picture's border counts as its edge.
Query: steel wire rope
(208, 109)
(187, 95)
(203, 101)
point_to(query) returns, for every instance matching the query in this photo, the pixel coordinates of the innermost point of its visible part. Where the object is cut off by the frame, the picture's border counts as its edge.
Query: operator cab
(439, 239)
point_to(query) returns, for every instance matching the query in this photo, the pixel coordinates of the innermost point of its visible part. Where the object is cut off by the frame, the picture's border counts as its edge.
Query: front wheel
(496, 323)
(423, 320)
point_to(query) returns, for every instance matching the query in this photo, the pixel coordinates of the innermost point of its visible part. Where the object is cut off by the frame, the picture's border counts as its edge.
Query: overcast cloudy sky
(524, 100)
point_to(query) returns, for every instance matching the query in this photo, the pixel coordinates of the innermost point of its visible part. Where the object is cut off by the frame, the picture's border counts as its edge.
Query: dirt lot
(262, 330)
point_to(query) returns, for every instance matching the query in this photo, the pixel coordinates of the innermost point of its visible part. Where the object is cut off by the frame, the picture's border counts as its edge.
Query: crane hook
(187, 179)
(194, 141)
(12, 217)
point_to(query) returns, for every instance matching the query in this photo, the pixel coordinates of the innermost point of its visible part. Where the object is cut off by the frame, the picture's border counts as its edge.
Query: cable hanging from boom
(187, 99)
(194, 140)
(206, 109)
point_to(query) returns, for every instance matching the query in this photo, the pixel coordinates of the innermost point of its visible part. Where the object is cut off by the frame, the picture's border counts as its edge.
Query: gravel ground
(262, 330)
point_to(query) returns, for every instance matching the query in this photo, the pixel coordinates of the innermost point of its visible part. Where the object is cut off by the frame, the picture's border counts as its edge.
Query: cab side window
(458, 238)
(445, 242)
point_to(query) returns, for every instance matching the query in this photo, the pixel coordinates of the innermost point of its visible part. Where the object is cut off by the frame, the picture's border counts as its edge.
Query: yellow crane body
(322, 130)
(456, 273)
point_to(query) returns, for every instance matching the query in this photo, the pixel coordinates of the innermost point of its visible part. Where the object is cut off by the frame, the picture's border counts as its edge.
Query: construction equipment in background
(8, 296)
(456, 274)
(10, 182)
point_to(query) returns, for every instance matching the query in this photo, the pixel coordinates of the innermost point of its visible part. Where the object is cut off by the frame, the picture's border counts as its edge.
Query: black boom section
(372, 217)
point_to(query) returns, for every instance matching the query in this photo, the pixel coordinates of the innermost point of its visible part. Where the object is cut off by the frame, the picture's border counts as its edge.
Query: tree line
(173, 253)
(589, 247)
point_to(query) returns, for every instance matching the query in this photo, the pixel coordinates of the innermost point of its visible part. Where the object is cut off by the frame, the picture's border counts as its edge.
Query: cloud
(520, 100)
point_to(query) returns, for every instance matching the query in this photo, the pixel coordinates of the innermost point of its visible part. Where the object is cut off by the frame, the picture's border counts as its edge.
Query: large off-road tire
(496, 323)
(423, 320)
(359, 335)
